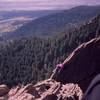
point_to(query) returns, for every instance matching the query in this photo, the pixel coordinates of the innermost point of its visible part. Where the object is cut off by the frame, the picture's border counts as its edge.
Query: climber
(61, 66)
(93, 91)
(57, 70)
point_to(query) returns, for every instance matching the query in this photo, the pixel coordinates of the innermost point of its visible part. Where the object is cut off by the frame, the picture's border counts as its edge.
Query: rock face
(45, 90)
(79, 68)
(82, 65)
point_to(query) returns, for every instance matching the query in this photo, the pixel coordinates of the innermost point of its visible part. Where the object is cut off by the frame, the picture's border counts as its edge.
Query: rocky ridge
(45, 90)
(78, 71)
(82, 65)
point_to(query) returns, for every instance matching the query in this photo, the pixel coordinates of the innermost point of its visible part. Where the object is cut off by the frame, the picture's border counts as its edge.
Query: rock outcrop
(45, 90)
(77, 70)
(82, 65)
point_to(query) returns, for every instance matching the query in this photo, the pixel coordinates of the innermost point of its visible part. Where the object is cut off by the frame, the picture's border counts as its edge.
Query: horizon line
(46, 9)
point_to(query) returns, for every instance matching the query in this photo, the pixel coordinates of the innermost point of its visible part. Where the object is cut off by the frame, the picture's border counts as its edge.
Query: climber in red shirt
(57, 70)
(60, 66)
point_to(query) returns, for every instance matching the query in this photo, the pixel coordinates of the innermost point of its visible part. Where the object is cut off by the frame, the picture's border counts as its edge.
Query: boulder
(3, 90)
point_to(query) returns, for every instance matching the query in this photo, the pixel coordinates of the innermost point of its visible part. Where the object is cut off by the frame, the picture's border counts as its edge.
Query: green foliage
(32, 59)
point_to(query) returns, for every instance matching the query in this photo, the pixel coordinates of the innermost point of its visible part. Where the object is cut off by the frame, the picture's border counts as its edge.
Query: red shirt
(60, 66)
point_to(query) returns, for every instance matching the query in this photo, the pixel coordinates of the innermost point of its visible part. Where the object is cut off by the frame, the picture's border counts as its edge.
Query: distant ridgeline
(55, 23)
(32, 59)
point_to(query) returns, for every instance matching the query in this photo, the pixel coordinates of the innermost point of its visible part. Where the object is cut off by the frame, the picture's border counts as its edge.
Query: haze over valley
(16, 24)
(12, 20)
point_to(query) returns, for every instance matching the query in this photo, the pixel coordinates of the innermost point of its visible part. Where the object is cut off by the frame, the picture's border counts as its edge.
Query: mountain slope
(82, 65)
(21, 13)
(32, 59)
(12, 20)
(52, 24)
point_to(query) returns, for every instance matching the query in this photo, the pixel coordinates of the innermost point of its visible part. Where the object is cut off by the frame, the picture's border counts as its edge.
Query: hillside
(19, 13)
(56, 23)
(82, 65)
(68, 82)
(12, 20)
(31, 59)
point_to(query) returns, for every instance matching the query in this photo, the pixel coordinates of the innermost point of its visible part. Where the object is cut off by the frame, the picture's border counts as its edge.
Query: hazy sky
(44, 4)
